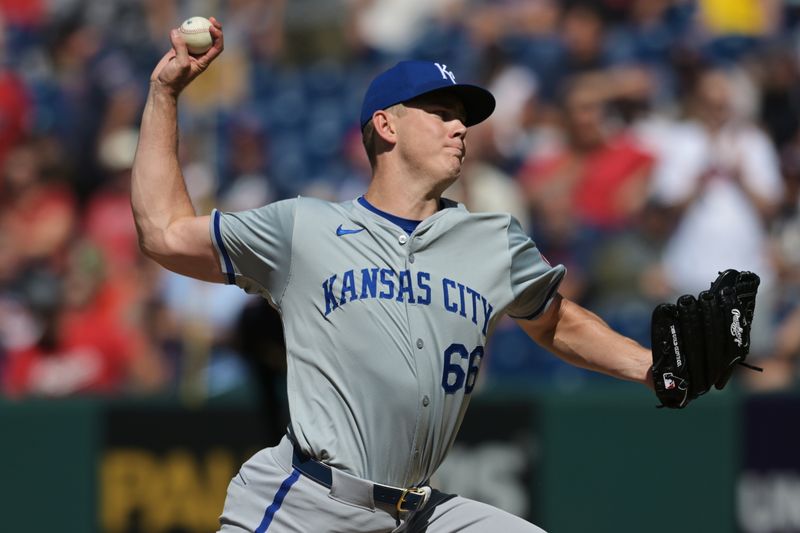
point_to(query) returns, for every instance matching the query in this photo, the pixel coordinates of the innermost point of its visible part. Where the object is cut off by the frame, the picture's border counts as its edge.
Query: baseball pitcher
(388, 301)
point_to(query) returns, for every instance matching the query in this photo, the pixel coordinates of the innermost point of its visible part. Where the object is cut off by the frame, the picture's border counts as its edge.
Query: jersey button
(420, 344)
(426, 400)
(411, 258)
(402, 239)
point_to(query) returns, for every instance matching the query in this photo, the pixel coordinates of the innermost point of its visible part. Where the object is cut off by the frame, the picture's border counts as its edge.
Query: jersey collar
(405, 224)
(445, 206)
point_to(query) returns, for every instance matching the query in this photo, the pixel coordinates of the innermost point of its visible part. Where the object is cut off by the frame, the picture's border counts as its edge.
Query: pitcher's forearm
(588, 342)
(582, 338)
(158, 191)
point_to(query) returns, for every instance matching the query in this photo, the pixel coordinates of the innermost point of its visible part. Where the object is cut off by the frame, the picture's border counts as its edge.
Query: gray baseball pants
(269, 495)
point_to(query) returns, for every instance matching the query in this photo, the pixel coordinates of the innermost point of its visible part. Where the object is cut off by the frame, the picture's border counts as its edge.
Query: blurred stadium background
(643, 143)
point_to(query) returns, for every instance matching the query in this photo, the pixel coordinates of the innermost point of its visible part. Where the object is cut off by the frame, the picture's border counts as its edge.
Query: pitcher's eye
(445, 114)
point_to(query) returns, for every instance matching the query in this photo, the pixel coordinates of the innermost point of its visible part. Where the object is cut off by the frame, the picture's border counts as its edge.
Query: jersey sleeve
(255, 247)
(533, 280)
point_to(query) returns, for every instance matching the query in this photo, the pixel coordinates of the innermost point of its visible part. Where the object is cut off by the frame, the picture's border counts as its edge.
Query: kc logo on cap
(445, 73)
(409, 79)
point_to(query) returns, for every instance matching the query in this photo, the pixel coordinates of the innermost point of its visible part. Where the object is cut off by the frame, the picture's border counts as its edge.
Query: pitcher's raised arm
(169, 230)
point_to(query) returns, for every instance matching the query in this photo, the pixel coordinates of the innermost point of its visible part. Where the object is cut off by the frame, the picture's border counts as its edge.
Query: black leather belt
(402, 499)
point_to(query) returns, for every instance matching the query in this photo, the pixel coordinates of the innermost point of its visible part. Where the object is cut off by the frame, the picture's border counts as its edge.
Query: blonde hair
(370, 139)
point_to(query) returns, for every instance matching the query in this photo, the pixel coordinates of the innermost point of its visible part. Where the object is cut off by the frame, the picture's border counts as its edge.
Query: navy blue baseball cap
(409, 79)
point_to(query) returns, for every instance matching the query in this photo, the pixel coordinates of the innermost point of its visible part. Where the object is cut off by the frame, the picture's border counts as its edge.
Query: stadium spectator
(722, 180)
(38, 210)
(88, 344)
(590, 187)
(107, 220)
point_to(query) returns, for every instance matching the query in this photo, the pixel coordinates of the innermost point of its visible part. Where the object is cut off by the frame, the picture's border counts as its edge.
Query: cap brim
(478, 102)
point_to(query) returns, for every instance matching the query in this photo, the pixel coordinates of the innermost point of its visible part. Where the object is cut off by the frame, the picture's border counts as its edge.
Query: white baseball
(196, 35)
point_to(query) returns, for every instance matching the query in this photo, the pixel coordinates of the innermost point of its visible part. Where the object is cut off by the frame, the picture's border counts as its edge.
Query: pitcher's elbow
(150, 243)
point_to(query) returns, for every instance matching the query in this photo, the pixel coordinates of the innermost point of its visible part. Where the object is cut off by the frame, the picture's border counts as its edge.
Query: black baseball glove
(697, 342)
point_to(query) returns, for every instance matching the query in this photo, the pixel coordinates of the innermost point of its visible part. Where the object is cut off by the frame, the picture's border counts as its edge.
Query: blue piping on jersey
(551, 293)
(269, 514)
(225, 257)
(405, 224)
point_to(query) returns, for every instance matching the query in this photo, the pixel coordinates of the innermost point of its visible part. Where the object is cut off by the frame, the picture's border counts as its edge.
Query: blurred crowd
(645, 144)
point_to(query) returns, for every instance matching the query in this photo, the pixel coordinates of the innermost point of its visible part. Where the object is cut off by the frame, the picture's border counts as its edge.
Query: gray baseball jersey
(385, 331)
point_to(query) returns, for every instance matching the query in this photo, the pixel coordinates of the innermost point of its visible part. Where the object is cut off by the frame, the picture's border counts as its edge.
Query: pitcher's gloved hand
(697, 342)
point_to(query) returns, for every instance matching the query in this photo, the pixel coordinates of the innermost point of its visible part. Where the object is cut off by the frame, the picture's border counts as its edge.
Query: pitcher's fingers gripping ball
(196, 35)
(698, 341)
(178, 67)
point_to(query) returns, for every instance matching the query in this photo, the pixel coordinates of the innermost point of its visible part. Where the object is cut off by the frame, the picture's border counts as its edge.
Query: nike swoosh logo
(341, 231)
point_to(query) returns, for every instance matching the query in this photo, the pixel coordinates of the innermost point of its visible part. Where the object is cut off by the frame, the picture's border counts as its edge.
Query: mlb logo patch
(669, 383)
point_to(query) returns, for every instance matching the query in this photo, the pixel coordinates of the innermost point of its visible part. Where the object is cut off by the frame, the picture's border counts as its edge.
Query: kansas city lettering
(405, 287)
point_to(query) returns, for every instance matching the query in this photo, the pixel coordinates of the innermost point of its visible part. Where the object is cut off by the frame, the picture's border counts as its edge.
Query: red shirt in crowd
(604, 185)
(91, 355)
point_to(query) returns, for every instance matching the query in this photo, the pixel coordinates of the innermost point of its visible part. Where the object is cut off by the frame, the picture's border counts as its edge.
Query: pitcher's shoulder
(497, 220)
(310, 202)
(308, 206)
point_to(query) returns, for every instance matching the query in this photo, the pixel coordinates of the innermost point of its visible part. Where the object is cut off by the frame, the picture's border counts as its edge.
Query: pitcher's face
(432, 135)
